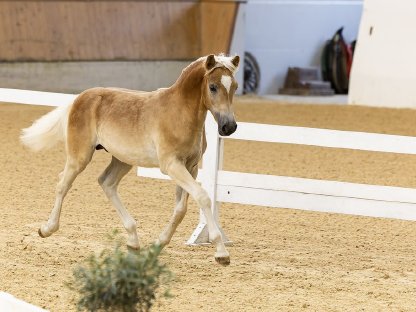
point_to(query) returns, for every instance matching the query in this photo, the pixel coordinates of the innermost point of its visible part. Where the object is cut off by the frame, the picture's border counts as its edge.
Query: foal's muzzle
(226, 125)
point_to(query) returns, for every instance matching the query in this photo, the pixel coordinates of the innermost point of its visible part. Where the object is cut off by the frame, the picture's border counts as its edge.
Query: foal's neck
(189, 88)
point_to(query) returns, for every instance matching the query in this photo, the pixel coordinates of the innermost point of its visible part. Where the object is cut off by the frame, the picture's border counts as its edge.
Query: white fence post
(211, 164)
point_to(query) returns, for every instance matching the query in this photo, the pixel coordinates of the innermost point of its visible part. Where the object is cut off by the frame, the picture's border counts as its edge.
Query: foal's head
(218, 90)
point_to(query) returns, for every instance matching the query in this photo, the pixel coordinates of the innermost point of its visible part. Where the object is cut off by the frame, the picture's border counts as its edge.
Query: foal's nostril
(224, 128)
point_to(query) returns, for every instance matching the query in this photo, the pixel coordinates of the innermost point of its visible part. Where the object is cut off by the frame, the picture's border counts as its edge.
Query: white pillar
(383, 72)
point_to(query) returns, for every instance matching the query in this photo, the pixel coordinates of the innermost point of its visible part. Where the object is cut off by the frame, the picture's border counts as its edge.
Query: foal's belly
(142, 158)
(142, 154)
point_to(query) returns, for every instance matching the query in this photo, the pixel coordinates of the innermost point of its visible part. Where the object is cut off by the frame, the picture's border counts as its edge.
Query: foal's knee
(181, 206)
(101, 179)
(77, 165)
(109, 189)
(181, 209)
(62, 188)
(203, 200)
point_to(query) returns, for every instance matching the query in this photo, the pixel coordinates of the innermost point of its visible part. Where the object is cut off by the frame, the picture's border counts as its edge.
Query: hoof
(40, 234)
(224, 261)
(132, 249)
(46, 232)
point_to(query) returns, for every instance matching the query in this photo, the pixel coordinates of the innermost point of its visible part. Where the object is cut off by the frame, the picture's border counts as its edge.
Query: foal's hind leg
(178, 213)
(73, 167)
(177, 217)
(109, 181)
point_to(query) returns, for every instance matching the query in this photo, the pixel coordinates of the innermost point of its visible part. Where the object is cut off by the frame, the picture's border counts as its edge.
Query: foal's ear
(210, 62)
(235, 61)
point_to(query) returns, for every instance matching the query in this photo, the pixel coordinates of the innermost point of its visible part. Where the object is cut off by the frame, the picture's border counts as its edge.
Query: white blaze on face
(226, 82)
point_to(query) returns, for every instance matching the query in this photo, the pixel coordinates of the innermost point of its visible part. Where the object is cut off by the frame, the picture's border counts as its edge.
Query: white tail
(48, 130)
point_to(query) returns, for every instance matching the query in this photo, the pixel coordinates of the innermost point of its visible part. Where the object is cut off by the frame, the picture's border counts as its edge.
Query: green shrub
(121, 281)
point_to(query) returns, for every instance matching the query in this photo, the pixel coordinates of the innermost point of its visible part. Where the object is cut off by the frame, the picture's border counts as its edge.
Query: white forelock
(226, 61)
(223, 60)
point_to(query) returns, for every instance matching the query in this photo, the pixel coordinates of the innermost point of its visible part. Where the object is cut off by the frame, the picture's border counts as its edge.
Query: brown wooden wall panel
(217, 26)
(106, 30)
(114, 30)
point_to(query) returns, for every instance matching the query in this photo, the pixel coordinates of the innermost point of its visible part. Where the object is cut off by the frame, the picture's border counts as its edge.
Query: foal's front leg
(177, 171)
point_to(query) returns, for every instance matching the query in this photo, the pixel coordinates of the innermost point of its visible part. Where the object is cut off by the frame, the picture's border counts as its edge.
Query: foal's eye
(212, 88)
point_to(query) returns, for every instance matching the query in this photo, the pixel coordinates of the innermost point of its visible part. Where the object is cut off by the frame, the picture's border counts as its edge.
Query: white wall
(238, 43)
(384, 68)
(283, 33)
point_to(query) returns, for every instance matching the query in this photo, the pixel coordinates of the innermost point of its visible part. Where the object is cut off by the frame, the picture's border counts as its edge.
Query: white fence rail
(9, 303)
(276, 191)
(35, 97)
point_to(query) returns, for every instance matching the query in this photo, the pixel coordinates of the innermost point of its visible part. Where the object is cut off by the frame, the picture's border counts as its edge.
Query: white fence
(299, 193)
(277, 191)
(9, 303)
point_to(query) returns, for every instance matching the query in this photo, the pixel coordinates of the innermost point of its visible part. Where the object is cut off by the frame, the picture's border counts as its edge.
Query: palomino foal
(163, 128)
